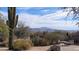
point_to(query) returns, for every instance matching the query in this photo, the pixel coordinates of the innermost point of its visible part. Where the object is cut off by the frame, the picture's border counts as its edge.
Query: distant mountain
(42, 29)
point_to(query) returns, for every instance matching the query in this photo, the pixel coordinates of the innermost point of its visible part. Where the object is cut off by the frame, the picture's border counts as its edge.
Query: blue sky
(51, 17)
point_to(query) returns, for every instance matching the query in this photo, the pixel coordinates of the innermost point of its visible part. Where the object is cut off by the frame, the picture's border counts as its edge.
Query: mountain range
(42, 29)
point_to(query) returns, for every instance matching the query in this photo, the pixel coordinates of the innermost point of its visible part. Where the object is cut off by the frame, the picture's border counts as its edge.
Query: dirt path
(63, 48)
(40, 48)
(45, 48)
(70, 48)
(3, 49)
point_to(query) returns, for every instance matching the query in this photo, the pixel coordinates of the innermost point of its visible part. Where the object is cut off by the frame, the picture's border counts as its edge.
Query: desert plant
(22, 31)
(4, 30)
(4, 33)
(11, 22)
(54, 37)
(44, 42)
(37, 41)
(21, 44)
(47, 38)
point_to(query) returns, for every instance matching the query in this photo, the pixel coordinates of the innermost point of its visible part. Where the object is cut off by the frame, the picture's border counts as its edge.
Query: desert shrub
(22, 44)
(44, 42)
(4, 33)
(40, 41)
(35, 41)
(22, 31)
(5, 43)
(47, 38)
(54, 37)
(75, 37)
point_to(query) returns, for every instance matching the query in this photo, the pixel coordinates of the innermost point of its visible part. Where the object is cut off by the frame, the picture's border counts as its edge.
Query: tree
(11, 22)
(22, 31)
(3, 29)
(73, 10)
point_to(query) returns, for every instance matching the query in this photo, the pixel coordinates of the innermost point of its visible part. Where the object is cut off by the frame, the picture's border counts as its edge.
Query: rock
(54, 48)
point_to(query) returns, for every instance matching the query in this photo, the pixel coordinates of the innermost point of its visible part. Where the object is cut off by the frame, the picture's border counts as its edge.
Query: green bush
(54, 37)
(22, 44)
(47, 38)
(5, 43)
(40, 42)
(44, 42)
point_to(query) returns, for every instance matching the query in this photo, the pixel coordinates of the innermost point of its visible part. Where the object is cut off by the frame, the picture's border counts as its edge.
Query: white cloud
(23, 8)
(3, 13)
(58, 15)
(53, 20)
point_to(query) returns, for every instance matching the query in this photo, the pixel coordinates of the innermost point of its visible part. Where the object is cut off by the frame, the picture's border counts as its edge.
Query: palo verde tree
(3, 29)
(73, 10)
(22, 31)
(11, 22)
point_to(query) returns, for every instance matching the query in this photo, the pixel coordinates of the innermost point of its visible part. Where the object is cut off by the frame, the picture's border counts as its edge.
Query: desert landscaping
(32, 29)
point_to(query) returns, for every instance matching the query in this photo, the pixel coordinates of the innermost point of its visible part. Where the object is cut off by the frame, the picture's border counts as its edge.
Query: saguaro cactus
(12, 22)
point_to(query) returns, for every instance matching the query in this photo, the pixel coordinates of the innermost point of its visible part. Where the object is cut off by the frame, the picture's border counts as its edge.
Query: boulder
(54, 48)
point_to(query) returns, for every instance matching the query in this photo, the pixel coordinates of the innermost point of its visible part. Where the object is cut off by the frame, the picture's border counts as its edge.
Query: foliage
(40, 41)
(22, 31)
(47, 38)
(4, 30)
(73, 10)
(22, 44)
(44, 42)
(54, 37)
(75, 37)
